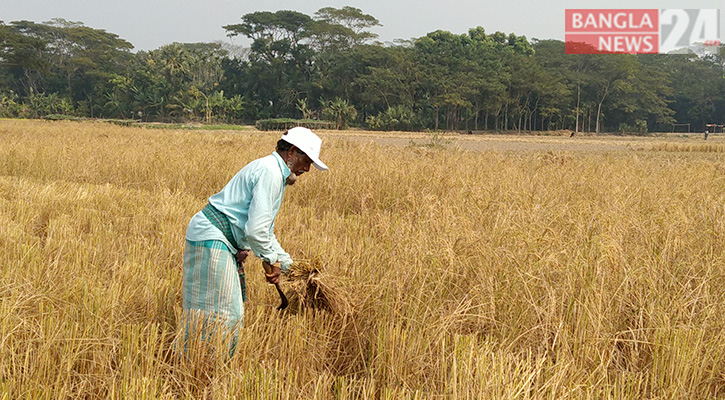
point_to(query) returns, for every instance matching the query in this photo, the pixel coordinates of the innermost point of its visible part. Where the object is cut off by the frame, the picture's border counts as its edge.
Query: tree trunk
(532, 122)
(448, 117)
(599, 107)
(32, 84)
(578, 101)
(506, 118)
(69, 78)
(208, 111)
(589, 120)
(599, 113)
(521, 118)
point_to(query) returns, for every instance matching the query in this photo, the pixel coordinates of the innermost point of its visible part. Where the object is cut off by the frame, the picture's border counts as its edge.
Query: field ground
(539, 141)
(523, 142)
(540, 267)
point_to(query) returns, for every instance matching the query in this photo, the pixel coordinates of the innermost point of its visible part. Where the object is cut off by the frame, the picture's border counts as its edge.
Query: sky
(149, 24)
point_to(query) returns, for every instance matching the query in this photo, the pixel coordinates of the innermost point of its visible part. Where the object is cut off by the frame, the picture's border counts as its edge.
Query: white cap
(308, 143)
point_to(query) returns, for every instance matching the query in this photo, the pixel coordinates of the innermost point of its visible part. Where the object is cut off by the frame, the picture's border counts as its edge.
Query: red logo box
(600, 31)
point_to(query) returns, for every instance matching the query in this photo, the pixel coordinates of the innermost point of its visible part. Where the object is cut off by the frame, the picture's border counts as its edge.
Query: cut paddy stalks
(309, 287)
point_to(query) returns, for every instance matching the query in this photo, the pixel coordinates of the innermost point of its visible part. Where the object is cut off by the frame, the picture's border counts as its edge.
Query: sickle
(268, 269)
(281, 297)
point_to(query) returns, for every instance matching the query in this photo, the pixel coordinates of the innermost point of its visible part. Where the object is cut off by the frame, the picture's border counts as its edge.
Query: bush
(396, 118)
(340, 111)
(42, 104)
(62, 117)
(639, 128)
(9, 107)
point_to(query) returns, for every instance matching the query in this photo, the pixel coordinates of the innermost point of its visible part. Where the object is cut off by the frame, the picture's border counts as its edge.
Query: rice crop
(690, 147)
(440, 272)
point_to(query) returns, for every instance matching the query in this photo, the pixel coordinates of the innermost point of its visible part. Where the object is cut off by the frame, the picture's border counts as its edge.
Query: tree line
(330, 66)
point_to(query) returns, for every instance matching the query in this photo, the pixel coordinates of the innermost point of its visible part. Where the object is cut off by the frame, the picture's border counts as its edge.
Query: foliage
(43, 104)
(281, 124)
(193, 126)
(458, 82)
(340, 111)
(397, 118)
(61, 117)
(9, 106)
(303, 108)
(342, 28)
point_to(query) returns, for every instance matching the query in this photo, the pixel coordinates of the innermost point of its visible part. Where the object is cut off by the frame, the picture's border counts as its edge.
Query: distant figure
(706, 132)
(572, 134)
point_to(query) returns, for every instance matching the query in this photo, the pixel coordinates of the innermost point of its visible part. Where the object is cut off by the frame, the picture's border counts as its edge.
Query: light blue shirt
(251, 201)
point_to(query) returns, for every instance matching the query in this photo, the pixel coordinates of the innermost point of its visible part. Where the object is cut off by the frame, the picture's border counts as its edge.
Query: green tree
(23, 63)
(466, 74)
(641, 102)
(276, 35)
(445, 73)
(338, 28)
(572, 71)
(61, 57)
(280, 63)
(697, 87)
(183, 76)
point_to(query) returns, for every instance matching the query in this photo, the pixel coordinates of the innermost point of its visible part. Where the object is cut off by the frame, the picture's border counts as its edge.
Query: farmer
(237, 220)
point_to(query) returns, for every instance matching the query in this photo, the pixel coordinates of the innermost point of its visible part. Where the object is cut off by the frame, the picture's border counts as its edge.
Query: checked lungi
(213, 282)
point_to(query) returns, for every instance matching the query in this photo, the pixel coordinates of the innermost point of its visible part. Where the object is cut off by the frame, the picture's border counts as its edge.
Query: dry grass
(691, 147)
(445, 274)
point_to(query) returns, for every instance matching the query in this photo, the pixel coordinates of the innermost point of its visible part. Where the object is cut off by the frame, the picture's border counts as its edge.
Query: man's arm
(284, 259)
(262, 211)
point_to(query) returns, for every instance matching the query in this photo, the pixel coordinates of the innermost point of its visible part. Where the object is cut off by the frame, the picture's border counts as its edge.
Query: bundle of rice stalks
(308, 286)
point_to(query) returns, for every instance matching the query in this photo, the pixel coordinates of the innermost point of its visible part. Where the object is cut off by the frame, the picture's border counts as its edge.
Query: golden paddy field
(472, 267)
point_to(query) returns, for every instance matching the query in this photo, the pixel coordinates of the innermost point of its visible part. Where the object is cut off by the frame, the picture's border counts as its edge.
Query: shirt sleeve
(262, 211)
(283, 257)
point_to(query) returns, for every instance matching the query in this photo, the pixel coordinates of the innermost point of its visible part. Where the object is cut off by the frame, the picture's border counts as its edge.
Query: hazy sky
(148, 24)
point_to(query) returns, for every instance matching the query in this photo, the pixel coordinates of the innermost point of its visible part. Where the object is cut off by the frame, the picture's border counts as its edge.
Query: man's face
(298, 162)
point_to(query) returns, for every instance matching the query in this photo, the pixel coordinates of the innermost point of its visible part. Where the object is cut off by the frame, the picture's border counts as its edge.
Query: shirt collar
(282, 166)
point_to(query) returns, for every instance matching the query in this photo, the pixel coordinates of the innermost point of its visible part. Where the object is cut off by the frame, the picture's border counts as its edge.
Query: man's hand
(242, 255)
(272, 272)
